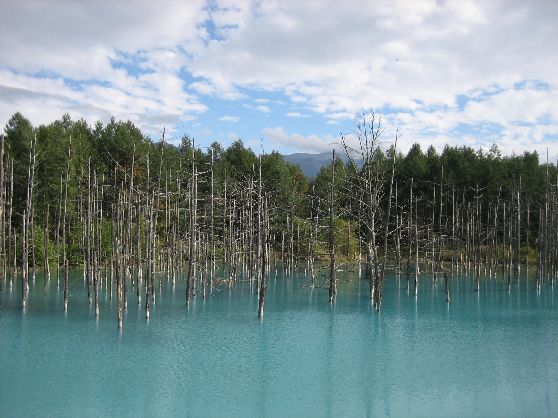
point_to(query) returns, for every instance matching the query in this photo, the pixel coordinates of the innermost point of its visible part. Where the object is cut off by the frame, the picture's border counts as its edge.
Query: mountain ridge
(310, 164)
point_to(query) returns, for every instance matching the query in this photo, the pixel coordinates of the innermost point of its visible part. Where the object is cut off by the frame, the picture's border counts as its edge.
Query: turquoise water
(493, 353)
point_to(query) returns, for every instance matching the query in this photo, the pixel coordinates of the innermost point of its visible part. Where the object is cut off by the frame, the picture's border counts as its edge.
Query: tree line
(129, 211)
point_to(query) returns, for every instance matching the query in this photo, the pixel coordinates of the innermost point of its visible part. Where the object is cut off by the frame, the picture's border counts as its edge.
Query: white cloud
(206, 132)
(410, 59)
(152, 101)
(227, 118)
(259, 108)
(337, 58)
(277, 137)
(264, 109)
(99, 59)
(295, 115)
(78, 39)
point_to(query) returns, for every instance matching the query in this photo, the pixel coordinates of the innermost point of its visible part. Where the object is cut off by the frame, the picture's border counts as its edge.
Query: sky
(290, 75)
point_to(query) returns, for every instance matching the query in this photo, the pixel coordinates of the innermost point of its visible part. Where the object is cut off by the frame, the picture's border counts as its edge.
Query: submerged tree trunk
(2, 212)
(386, 232)
(212, 230)
(193, 230)
(118, 264)
(417, 271)
(64, 227)
(332, 278)
(11, 250)
(409, 235)
(45, 252)
(448, 298)
(264, 260)
(27, 220)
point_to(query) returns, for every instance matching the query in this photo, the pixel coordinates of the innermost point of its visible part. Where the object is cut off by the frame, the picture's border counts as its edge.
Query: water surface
(492, 353)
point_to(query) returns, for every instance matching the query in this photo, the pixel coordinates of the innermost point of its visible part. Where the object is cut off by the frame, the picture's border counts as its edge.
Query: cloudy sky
(290, 75)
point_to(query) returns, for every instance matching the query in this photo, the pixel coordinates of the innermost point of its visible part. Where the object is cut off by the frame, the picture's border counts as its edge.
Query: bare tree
(332, 279)
(364, 144)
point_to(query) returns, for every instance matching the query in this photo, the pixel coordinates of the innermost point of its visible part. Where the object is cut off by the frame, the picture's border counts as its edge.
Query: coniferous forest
(130, 212)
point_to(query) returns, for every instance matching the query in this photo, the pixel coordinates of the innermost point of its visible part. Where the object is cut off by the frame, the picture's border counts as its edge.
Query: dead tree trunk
(45, 251)
(2, 212)
(212, 229)
(88, 237)
(386, 232)
(98, 215)
(332, 278)
(409, 234)
(417, 271)
(313, 238)
(118, 263)
(398, 227)
(11, 251)
(516, 269)
(150, 198)
(193, 229)
(27, 215)
(260, 230)
(64, 228)
(448, 297)
(264, 259)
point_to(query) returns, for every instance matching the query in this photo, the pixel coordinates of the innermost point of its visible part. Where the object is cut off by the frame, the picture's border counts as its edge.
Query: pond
(488, 353)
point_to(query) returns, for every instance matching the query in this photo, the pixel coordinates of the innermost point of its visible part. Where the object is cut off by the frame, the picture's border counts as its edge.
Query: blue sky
(290, 75)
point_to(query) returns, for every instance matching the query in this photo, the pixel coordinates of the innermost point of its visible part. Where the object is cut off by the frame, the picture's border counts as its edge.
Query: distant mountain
(310, 164)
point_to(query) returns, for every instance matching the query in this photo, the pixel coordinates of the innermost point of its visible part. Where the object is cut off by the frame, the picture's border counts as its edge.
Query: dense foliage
(461, 173)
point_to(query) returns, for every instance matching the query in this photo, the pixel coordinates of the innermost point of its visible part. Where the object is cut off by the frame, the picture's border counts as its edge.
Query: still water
(492, 354)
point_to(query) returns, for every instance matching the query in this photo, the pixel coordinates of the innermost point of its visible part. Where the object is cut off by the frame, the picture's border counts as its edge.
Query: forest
(129, 211)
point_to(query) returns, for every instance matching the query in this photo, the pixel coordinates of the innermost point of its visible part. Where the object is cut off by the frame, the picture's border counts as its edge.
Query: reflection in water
(488, 353)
